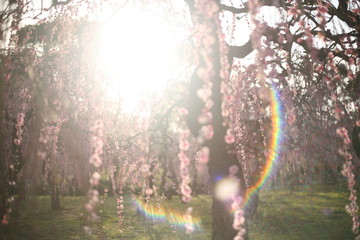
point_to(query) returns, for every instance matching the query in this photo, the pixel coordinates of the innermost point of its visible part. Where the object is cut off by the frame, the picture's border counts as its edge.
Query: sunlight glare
(138, 54)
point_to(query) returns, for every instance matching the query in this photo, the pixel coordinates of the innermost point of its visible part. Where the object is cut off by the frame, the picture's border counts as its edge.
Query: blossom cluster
(206, 42)
(97, 143)
(18, 126)
(188, 220)
(184, 145)
(352, 208)
(236, 207)
(120, 208)
(95, 160)
(17, 142)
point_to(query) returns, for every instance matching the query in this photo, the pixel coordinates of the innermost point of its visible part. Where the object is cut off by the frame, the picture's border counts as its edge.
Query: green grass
(313, 215)
(317, 214)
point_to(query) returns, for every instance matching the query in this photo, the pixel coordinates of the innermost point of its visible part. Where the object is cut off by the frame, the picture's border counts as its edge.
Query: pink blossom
(203, 155)
(202, 73)
(208, 40)
(96, 176)
(98, 144)
(319, 68)
(17, 141)
(351, 61)
(95, 160)
(183, 111)
(20, 118)
(185, 189)
(323, 9)
(184, 145)
(5, 219)
(204, 93)
(209, 104)
(189, 228)
(237, 237)
(291, 119)
(186, 198)
(183, 158)
(348, 156)
(185, 133)
(144, 168)
(293, 11)
(282, 39)
(229, 138)
(205, 117)
(149, 191)
(207, 131)
(89, 207)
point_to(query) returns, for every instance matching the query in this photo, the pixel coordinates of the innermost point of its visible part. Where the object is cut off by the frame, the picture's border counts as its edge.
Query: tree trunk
(222, 155)
(222, 221)
(21, 190)
(355, 136)
(55, 199)
(221, 159)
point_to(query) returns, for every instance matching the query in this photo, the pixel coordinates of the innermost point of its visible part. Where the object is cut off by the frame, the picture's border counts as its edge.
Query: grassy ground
(315, 213)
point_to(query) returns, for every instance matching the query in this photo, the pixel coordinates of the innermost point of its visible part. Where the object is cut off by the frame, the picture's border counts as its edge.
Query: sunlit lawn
(316, 215)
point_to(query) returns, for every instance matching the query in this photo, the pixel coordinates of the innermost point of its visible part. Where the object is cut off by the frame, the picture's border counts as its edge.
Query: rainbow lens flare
(159, 213)
(274, 150)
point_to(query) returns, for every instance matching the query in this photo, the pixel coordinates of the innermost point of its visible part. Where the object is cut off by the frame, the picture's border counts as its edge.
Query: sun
(138, 53)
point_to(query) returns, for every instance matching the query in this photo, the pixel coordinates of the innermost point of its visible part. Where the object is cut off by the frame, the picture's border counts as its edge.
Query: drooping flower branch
(95, 161)
(352, 208)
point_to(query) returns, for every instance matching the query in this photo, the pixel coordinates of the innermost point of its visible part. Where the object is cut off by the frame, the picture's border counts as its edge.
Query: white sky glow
(137, 53)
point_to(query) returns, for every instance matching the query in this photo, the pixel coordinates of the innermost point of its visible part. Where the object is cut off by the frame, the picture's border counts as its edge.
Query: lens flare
(274, 150)
(227, 188)
(175, 218)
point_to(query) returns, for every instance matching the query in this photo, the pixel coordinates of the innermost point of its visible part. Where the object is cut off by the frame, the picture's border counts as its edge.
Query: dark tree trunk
(150, 178)
(21, 189)
(222, 223)
(356, 140)
(53, 187)
(55, 198)
(3, 184)
(222, 155)
(221, 159)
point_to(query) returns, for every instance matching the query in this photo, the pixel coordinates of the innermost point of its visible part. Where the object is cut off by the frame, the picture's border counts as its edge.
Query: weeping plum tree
(305, 51)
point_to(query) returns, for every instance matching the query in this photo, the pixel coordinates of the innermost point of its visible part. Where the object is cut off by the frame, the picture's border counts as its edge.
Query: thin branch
(241, 51)
(234, 10)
